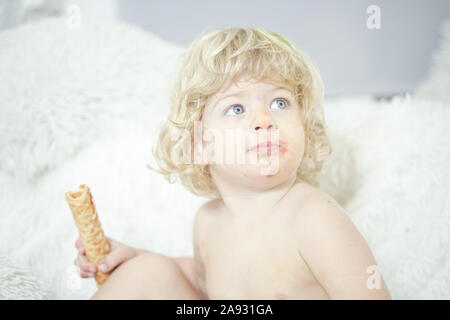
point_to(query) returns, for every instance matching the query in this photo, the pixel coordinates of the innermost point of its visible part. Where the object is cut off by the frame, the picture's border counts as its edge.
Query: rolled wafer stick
(89, 228)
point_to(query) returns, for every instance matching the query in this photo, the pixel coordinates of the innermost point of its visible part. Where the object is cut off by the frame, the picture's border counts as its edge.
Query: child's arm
(337, 253)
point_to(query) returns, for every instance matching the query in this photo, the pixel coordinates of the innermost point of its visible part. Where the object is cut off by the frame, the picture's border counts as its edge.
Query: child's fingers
(80, 247)
(78, 243)
(83, 273)
(85, 265)
(113, 259)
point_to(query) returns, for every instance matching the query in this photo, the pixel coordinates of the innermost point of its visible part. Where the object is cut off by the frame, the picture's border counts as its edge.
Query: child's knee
(163, 277)
(157, 267)
(155, 260)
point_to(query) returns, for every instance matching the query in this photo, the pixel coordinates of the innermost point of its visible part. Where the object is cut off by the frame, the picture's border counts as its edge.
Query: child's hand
(119, 254)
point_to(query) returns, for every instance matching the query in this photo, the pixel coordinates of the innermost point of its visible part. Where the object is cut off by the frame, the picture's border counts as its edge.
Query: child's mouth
(267, 148)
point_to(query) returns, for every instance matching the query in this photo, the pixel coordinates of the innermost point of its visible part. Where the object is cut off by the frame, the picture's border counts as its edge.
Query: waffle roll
(89, 228)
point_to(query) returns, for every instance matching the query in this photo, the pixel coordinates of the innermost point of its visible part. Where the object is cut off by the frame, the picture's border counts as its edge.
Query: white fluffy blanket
(85, 106)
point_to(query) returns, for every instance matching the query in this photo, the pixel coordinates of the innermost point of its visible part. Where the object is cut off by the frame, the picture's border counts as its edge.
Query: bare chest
(258, 262)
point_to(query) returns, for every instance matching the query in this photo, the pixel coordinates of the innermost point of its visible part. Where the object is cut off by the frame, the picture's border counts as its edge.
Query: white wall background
(352, 58)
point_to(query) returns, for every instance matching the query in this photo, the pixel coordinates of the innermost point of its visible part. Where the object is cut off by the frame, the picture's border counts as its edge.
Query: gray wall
(351, 58)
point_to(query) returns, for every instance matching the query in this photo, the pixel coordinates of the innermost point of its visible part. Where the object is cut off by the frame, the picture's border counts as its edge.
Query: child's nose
(263, 121)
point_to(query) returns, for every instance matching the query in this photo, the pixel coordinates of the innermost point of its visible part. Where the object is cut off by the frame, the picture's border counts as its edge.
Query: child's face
(260, 109)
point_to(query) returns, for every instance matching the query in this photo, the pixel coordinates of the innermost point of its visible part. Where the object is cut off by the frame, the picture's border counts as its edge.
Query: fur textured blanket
(85, 105)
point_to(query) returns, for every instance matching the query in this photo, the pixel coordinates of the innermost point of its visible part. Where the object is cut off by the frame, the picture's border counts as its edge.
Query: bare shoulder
(211, 207)
(208, 211)
(319, 218)
(334, 249)
(312, 205)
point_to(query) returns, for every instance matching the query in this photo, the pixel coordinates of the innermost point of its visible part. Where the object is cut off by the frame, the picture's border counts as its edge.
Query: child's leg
(147, 276)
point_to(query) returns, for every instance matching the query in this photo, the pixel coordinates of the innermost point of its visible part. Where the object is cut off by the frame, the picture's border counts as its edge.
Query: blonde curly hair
(220, 58)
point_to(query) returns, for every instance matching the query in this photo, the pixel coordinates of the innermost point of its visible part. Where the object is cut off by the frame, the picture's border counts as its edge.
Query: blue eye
(280, 103)
(237, 109)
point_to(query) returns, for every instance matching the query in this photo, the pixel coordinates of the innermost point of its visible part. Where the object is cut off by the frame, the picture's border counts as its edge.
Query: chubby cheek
(293, 153)
(295, 141)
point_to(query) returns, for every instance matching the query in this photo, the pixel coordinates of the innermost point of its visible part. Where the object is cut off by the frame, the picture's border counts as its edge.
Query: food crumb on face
(280, 268)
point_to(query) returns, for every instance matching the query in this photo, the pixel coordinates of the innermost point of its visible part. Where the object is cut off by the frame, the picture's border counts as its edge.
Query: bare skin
(272, 236)
(262, 260)
(258, 259)
(147, 276)
(269, 236)
(274, 259)
(140, 274)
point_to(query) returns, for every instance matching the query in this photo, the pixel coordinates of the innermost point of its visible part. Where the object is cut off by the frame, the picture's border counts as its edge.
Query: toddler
(246, 129)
